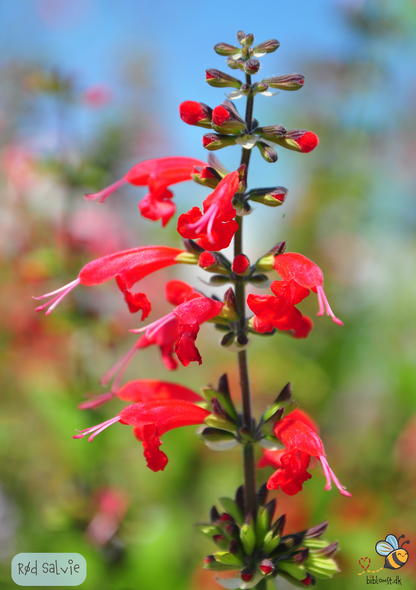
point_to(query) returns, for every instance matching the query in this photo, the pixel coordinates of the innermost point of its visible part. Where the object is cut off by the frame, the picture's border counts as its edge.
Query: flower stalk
(250, 539)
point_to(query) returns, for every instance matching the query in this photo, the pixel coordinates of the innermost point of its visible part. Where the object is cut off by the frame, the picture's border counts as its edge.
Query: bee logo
(396, 557)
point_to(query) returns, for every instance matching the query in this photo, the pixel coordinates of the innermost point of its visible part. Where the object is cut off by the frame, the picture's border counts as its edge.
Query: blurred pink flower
(98, 95)
(99, 232)
(112, 505)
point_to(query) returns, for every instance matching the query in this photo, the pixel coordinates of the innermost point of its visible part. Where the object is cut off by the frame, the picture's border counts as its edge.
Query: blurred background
(89, 88)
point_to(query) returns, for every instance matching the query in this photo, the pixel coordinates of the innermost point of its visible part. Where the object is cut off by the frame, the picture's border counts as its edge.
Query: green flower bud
(213, 141)
(226, 49)
(268, 153)
(252, 66)
(220, 79)
(288, 82)
(266, 47)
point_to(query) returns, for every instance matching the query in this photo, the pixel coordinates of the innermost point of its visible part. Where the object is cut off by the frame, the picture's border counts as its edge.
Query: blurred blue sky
(93, 39)
(169, 45)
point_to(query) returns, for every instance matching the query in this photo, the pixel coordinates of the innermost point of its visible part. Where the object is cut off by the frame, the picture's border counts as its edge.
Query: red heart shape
(366, 565)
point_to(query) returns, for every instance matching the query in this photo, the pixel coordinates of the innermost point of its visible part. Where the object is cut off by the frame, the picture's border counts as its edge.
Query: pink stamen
(54, 302)
(119, 368)
(206, 221)
(330, 475)
(96, 429)
(320, 301)
(96, 401)
(102, 195)
(154, 326)
(323, 302)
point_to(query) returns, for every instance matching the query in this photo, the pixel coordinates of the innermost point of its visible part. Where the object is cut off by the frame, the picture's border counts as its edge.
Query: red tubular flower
(158, 175)
(216, 227)
(127, 267)
(278, 312)
(301, 443)
(144, 390)
(151, 420)
(165, 337)
(300, 275)
(189, 316)
(291, 466)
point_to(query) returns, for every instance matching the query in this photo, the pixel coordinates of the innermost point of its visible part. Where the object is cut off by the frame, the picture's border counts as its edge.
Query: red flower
(164, 337)
(143, 390)
(300, 275)
(278, 312)
(291, 466)
(189, 316)
(216, 227)
(127, 267)
(301, 443)
(151, 420)
(158, 175)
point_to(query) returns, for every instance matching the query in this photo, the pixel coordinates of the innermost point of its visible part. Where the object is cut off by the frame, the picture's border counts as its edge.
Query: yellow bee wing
(384, 548)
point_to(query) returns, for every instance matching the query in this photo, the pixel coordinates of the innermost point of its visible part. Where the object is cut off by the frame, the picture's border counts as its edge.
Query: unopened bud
(241, 36)
(247, 574)
(239, 63)
(271, 132)
(266, 567)
(227, 340)
(275, 196)
(232, 63)
(196, 113)
(260, 87)
(266, 47)
(220, 79)
(214, 141)
(225, 49)
(207, 259)
(268, 153)
(212, 263)
(252, 66)
(240, 265)
(226, 119)
(206, 175)
(229, 310)
(288, 82)
(299, 140)
(214, 515)
(239, 343)
(248, 40)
